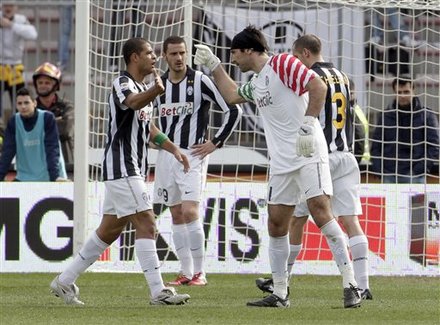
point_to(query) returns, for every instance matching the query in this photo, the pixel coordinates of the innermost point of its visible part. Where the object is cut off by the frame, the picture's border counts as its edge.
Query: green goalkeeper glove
(204, 56)
(305, 144)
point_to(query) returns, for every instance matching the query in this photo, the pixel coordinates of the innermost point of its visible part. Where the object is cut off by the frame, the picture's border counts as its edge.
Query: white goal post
(234, 207)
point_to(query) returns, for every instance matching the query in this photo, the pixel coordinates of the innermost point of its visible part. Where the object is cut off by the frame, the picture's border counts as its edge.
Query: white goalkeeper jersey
(280, 95)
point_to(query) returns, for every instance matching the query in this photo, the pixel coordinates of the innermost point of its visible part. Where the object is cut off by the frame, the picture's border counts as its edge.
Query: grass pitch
(123, 299)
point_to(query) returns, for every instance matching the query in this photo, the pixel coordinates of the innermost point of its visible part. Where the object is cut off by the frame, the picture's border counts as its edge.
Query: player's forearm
(169, 146)
(232, 117)
(226, 86)
(317, 91)
(140, 100)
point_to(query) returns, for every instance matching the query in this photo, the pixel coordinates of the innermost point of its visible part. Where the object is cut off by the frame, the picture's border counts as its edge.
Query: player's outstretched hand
(183, 159)
(202, 150)
(305, 144)
(204, 56)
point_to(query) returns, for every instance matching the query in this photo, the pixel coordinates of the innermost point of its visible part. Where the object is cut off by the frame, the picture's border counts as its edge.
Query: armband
(160, 138)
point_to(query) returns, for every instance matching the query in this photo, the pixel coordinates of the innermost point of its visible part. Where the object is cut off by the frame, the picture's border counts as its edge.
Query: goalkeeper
(289, 97)
(337, 123)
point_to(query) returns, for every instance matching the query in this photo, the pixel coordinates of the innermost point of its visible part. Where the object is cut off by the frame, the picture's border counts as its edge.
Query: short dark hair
(250, 38)
(133, 45)
(310, 42)
(403, 80)
(25, 92)
(172, 40)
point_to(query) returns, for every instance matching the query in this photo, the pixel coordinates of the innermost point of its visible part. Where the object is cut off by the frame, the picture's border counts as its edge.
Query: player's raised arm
(227, 86)
(137, 101)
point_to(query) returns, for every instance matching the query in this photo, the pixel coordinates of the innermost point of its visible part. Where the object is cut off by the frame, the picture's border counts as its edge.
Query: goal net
(363, 39)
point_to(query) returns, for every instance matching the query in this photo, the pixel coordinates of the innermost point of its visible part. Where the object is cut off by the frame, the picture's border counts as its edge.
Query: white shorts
(346, 179)
(172, 185)
(126, 196)
(309, 181)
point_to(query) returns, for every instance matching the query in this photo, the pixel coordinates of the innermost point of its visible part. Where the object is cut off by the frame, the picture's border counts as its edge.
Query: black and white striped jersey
(128, 131)
(183, 110)
(337, 116)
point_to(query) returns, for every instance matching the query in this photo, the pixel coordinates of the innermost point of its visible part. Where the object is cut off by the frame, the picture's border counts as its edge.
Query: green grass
(123, 299)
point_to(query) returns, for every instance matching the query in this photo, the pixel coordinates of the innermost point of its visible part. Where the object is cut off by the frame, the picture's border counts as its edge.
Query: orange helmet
(49, 70)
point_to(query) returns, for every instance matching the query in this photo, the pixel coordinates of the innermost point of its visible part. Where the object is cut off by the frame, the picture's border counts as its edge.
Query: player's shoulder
(283, 61)
(197, 73)
(122, 81)
(282, 57)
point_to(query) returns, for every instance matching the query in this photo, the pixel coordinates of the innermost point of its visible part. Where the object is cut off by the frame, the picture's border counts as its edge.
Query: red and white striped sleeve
(292, 72)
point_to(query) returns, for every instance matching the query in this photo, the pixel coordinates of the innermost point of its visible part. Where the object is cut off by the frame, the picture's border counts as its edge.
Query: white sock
(149, 261)
(336, 241)
(359, 253)
(197, 244)
(294, 252)
(89, 253)
(181, 245)
(278, 254)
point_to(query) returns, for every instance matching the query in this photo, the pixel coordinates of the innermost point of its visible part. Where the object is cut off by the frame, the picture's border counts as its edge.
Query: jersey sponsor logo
(265, 100)
(175, 109)
(145, 113)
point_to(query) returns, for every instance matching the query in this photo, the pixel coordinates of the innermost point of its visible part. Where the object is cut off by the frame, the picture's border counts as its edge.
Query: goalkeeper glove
(305, 144)
(204, 56)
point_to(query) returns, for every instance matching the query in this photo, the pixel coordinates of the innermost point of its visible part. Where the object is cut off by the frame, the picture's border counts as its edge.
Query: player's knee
(351, 225)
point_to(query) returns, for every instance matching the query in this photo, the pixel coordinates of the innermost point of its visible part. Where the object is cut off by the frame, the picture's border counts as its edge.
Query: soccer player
(337, 123)
(289, 97)
(183, 111)
(124, 167)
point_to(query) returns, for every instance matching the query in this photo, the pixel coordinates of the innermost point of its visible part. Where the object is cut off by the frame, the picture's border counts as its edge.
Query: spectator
(405, 142)
(398, 25)
(47, 80)
(66, 15)
(32, 137)
(15, 29)
(361, 130)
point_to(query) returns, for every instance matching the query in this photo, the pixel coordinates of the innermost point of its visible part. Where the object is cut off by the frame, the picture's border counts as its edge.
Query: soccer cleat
(169, 296)
(198, 279)
(265, 284)
(180, 280)
(366, 295)
(70, 294)
(352, 298)
(271, 301)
